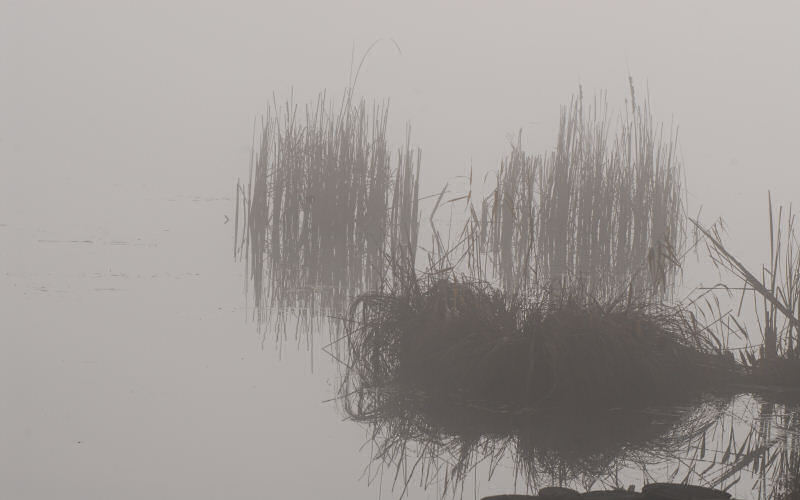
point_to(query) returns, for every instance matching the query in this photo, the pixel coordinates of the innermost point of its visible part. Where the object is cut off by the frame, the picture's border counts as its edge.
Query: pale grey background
(127, 369)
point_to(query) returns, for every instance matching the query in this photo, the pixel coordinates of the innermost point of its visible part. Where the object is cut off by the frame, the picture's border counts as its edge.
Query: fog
(129, 365)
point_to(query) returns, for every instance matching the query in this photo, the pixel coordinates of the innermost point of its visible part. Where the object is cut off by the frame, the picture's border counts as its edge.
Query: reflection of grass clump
(468, 341)
(433, 439)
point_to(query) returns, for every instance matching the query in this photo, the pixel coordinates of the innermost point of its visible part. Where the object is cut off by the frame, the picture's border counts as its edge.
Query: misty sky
(165, 92)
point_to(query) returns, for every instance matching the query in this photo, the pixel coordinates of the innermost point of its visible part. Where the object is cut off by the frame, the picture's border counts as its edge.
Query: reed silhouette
(600, 211)
(326, 212)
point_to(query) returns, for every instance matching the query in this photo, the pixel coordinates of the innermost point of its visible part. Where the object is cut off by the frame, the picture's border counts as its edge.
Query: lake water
(132, 371)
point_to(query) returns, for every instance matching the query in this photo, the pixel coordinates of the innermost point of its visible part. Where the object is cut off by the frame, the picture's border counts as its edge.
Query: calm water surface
(132, 371)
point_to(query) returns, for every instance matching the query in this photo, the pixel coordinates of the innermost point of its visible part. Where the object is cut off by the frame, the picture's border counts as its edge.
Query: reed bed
(325, 209)
(604, 213)
(326, 214)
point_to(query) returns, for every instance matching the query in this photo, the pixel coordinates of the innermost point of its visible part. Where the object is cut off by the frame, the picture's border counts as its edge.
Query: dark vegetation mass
(468, 341)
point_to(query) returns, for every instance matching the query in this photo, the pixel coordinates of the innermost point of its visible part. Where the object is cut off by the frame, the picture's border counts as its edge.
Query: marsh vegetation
(603, 211)
(556, 298)
(329, 207)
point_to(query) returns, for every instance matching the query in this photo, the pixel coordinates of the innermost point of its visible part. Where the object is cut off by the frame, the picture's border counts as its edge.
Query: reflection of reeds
(323, 207)
(719, 443)
(605, 214)
(755, 440)
(430, 440)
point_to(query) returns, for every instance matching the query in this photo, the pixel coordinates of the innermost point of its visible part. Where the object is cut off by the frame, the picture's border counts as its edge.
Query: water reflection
(745, 444)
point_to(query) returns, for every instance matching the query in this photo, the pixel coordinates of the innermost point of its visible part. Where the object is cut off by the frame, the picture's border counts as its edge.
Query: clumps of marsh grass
(467, 341)
(602, 211)
(326, 213)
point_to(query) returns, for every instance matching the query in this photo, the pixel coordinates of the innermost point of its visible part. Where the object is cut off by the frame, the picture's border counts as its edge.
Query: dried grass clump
(467, 341)
(324, 206)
